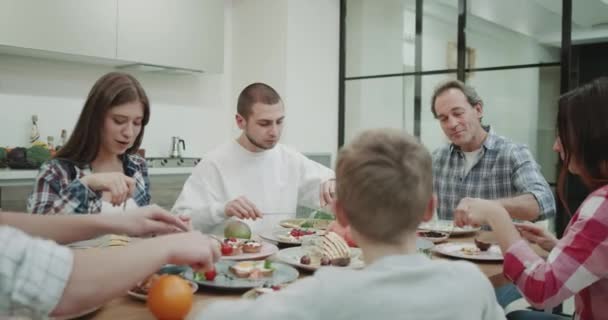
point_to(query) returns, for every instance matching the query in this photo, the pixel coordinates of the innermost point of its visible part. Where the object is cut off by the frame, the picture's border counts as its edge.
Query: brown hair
(255, 93)
(468, 91)
(582, 120)
(112, 89)
(384, 183)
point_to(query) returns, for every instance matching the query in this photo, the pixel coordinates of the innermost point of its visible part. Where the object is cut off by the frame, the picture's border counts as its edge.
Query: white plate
(292, 256)
(267, 250)
(144, 297)
(77, 315)
(275, 235)
(225, 279)
(443, 238)
(447, 226)
(254, 293)
(455, 249)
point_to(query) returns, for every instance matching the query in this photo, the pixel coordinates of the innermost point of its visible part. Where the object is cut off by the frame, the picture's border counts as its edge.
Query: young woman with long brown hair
(98, 168)
(578, 262)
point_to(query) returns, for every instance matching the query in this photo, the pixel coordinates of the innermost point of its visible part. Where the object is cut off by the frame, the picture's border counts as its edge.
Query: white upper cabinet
(187, 34)
(79, 27)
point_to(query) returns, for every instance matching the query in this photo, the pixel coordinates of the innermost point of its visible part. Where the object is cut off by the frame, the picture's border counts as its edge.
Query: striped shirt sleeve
(33, 274)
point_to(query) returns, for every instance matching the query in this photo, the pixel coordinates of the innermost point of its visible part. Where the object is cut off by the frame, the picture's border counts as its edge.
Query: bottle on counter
(63, 139)
(35, 133)
(50, 142)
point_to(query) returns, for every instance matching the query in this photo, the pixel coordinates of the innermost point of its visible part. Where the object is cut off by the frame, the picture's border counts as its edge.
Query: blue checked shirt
(503, 170)
(58, 188)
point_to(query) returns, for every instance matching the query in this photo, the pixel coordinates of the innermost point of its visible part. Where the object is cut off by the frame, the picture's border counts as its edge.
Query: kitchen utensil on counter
(176, 151)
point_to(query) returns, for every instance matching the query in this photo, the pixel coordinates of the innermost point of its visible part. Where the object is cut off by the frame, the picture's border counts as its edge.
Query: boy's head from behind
(384, 184)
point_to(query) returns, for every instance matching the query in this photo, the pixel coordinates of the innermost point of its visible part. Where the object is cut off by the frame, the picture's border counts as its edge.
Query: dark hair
(113, 89)
(384, 182)
(582, 124)
(255, 93)
(468, 91)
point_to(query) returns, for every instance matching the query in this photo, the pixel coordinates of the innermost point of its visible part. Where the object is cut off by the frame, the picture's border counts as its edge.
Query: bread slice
(336, 249)
(250, 269)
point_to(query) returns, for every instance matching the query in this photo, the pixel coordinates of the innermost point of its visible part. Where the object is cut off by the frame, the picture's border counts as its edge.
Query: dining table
(128, 308)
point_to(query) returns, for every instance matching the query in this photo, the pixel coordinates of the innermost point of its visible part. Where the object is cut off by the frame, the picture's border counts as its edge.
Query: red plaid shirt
(578, 265)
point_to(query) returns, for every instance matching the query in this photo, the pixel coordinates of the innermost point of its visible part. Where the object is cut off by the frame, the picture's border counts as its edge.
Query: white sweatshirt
(394, 287)
(275, 180)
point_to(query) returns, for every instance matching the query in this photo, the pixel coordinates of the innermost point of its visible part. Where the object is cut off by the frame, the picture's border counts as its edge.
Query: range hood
(145, 67)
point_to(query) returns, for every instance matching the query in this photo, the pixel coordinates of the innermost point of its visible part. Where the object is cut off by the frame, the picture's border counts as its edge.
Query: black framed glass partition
(394, 52)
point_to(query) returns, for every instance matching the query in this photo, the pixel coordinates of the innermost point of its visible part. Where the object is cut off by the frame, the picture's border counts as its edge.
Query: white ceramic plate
(256, 292)
(144, 297)
(469, 251)
(308, 223)
(447, 226)
(267, 250)
(77, 315)
(292, 256)
(444, 236)
(225, 279)
(280, 235)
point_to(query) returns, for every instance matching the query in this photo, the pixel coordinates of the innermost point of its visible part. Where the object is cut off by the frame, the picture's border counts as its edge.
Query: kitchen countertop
(12, 177)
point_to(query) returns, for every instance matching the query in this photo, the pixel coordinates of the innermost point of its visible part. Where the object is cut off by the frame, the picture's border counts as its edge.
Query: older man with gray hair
(477, 163)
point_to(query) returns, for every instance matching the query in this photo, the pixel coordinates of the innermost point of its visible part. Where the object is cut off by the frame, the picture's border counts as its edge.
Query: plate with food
(433, 236)
(260, 291)
(140, 291)
(290, 235)
(319, 224)
(247, 274)
(470, 251)
(447, 226)
(326, 250)
(240, 249)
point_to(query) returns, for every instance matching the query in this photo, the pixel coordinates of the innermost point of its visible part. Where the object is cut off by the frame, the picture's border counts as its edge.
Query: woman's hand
(146, 221)
(537, 235)
(192, 248)
(117, 184)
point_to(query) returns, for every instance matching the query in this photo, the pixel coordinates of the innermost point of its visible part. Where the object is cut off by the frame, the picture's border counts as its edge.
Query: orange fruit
(170, 298)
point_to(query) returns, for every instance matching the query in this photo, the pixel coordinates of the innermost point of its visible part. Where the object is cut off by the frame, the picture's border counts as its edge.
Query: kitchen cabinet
(76, 27)
(186, 34)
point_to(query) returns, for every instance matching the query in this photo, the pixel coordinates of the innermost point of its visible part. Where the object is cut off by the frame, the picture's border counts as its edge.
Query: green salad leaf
(199, 276)
(323, 215)
(267, 264)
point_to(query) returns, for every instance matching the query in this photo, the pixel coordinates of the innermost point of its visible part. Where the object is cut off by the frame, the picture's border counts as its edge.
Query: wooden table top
(127, 308)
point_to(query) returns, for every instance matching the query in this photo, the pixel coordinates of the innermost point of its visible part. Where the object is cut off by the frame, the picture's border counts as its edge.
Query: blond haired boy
(384, 190)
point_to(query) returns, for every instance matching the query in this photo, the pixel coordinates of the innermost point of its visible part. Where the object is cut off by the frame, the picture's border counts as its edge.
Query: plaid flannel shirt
(58, 188)
(33, 274)
(578, 265)
(504, 170)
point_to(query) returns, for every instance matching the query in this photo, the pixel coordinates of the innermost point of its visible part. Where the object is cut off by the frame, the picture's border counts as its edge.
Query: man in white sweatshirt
(254, 178)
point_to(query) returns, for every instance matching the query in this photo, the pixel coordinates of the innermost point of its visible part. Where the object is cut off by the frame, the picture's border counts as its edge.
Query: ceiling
(539, 19)
(585, 13)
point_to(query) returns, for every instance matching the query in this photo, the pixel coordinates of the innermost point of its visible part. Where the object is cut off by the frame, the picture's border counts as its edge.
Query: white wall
(511, 97)
(187, 106)
(312, 75)
(298, 58)
(292, 46)
(191, 106)
(374, 46)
